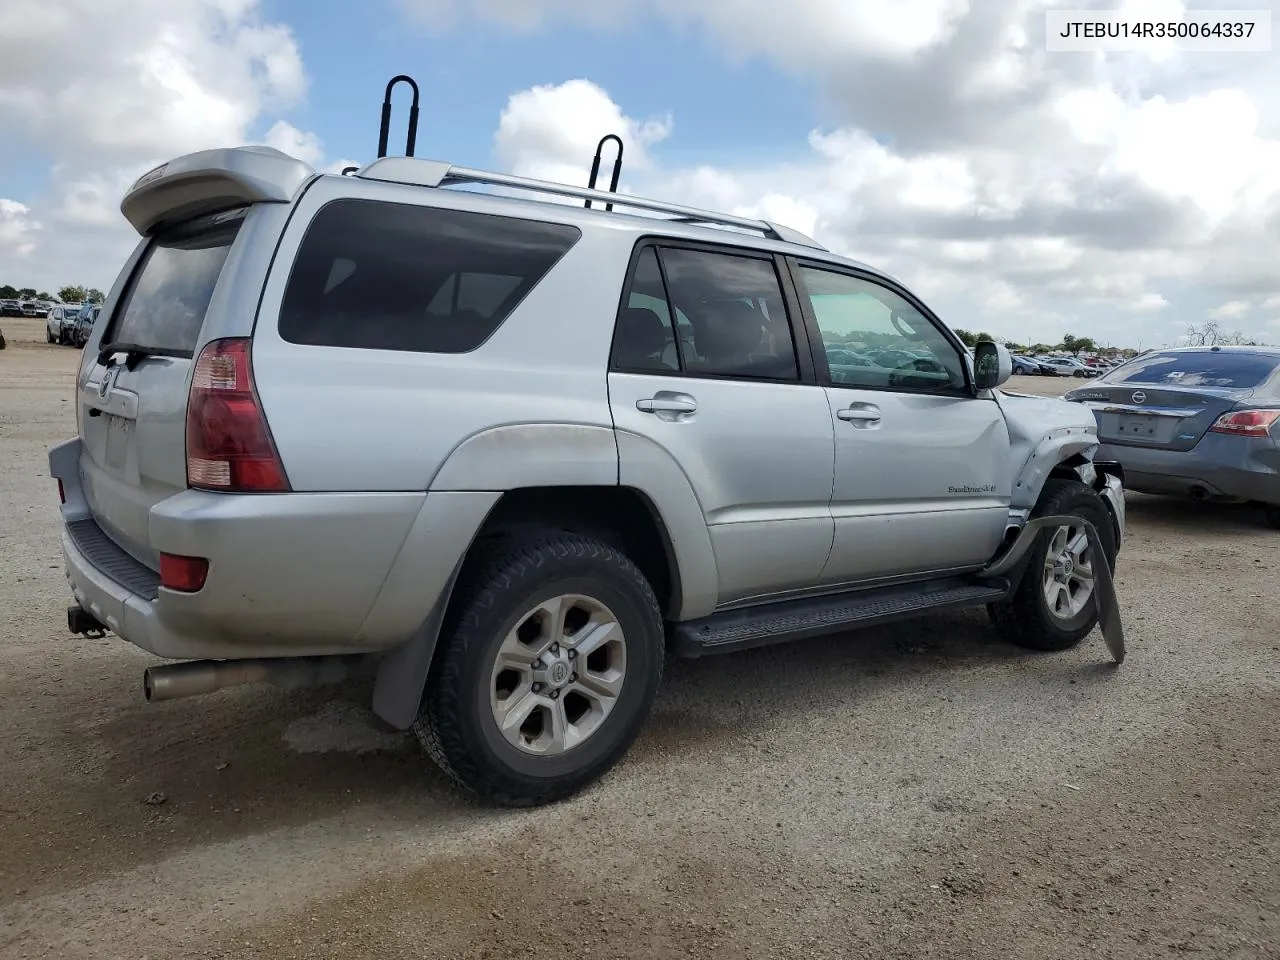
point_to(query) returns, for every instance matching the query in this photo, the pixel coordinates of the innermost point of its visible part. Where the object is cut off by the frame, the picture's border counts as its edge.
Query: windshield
(1206, 368)
(165, 306)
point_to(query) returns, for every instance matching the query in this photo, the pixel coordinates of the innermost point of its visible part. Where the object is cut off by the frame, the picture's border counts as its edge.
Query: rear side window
(1241, 371)
(163, 309)
(705, 313)
(384, 276)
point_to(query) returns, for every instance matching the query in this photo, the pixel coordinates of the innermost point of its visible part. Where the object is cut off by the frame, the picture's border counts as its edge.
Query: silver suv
(506, 453)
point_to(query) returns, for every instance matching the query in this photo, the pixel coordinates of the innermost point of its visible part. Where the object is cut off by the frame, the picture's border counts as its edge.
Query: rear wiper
(132, 352)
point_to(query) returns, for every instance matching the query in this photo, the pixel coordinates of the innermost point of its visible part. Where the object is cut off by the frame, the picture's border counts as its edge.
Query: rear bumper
(289, 574)
(1221, 466)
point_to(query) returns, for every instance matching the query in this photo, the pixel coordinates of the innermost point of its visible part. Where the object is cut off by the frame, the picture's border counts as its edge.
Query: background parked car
(10, 308)
(59, 325)
(82, 329)
(1067, 367)
(1026, 367)
(1202, 422)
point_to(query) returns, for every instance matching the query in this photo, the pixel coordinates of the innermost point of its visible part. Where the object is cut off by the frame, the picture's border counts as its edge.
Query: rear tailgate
(132, 396)
(1152, 416)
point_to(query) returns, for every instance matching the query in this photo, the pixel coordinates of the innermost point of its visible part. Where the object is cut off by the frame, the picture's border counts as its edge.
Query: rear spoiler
(212, 180)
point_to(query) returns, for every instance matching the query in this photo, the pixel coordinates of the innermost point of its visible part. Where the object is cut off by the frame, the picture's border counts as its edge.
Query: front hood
(1031, 414)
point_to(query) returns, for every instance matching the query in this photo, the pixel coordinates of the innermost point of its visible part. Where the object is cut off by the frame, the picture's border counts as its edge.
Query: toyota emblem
(1139, 397)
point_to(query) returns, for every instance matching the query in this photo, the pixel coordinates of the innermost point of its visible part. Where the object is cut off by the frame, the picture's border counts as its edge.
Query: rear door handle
(860, 413)
(666, 401)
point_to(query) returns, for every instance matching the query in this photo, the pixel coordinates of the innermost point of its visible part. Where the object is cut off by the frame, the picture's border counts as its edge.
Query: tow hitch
(81, 621)
(1104, 585)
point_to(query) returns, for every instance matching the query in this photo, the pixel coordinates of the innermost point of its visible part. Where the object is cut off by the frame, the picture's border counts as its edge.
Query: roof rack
(435, 173)
(411, 138)
(595, 168)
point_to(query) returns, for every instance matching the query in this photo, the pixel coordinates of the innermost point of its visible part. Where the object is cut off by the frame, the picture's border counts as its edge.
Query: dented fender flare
(1014, 558)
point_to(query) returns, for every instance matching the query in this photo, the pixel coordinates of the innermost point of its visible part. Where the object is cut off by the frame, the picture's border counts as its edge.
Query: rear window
(169, 293)
(1241, 371)
(384, 276)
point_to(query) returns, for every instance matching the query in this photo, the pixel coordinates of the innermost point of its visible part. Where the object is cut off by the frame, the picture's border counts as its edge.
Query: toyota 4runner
(506, 453)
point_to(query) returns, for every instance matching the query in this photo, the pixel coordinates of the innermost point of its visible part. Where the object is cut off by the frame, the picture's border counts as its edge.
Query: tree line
(68, 294)
(1069, 343)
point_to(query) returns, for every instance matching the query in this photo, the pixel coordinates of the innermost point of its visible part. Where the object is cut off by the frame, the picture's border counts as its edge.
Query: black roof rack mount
(595, 168)
(411, 139)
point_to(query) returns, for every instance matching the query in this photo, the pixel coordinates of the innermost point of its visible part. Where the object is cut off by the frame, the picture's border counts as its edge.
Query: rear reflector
(1246, 423)
(184, 574)
(62, 494)
(229, 445)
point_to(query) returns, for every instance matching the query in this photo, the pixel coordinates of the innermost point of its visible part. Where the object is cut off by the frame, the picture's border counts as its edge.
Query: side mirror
(992, 365)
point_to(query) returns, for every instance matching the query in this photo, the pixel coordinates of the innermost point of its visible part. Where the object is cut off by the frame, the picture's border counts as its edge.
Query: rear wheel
(547, 669)
(1054, 607)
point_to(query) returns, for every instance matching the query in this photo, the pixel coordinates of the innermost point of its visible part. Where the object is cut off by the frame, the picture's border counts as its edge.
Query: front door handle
(860, 413)
(667, 401)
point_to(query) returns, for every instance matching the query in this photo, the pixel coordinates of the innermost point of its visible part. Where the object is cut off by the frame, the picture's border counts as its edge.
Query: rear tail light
(229, 445)
(1246, 423)
(184, 574)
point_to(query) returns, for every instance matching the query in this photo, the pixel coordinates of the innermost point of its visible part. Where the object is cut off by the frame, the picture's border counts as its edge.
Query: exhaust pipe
(172, 681)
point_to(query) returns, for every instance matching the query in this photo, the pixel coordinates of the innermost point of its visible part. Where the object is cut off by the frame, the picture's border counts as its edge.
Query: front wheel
(1055, 606)
(49, 336)
(549, 663)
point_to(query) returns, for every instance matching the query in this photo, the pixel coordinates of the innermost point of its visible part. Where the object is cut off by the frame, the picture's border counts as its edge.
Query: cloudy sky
(1026, 193)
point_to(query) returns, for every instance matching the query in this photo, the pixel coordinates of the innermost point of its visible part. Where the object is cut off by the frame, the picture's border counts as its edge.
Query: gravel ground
(914, 791)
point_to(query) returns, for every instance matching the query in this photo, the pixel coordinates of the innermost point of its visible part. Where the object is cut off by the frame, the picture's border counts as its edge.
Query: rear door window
(387, 276)
(1240, 371)
(728, 312)
(164, 307)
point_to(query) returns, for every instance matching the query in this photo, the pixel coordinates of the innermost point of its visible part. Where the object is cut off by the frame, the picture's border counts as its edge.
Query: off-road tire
(1025, 619)
(455, 724)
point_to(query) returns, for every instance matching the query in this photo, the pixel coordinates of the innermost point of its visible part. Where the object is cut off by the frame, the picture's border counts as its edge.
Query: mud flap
(1103, 583)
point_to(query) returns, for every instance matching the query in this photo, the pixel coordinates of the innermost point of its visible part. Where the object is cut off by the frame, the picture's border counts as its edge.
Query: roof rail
(436, 173)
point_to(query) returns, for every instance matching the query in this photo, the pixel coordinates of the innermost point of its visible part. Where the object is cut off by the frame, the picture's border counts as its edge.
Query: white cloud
(302, 144)
(546, 133)
(1231, 310)
(17, 229)
(161, 79)
(1016, 189)
(1149, 303)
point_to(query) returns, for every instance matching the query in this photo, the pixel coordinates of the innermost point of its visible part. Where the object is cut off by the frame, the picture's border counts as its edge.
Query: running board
(782, 622)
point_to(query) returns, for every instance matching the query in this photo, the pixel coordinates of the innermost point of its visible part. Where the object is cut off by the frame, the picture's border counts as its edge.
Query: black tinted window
(643, 340)
(170, 291)
(1194, 368)
(388, 276)
(731, 315)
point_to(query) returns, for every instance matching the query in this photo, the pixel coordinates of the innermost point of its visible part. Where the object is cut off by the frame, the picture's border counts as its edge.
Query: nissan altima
(1202, 422)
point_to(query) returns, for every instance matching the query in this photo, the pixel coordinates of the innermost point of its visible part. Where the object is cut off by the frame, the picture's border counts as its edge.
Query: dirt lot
(920, 791)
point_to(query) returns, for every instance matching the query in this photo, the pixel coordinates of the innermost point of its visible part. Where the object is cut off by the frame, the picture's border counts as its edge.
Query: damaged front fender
(1104, 584)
